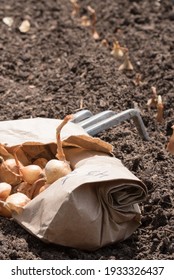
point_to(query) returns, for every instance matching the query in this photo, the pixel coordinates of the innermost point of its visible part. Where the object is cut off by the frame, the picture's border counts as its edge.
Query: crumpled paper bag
(93, 206)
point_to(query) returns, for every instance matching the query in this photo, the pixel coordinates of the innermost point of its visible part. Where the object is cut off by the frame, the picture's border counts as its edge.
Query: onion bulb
(25, 188)
(126, 65)
(37, 186)
(5, 190)
(170, 144)
(4, 152)
(9, 172)
(15, 202)
(11, 164)
(160, 110)
(43, 188)
(56, 169)
(117, 50)
(31, 173)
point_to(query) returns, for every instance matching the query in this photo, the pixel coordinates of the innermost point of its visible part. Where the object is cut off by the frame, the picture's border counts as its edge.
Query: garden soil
(57, 68)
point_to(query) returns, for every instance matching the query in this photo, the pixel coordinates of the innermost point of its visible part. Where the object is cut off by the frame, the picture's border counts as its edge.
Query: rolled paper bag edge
(122, 192)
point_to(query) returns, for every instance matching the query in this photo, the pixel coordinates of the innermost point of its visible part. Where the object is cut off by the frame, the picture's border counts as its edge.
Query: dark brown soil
(49, 70)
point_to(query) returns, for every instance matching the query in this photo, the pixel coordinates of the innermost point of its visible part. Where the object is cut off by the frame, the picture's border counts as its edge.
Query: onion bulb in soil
(9, 171)
(15, 202)
(117, 50)
(57, 168)
(170, 144)
(5, 190)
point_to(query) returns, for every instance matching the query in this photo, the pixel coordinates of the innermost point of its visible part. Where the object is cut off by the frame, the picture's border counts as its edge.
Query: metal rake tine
(116, 119)
(96, 118)
(81, 115)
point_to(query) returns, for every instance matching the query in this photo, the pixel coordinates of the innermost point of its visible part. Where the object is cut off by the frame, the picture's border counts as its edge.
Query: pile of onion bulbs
(19, 184)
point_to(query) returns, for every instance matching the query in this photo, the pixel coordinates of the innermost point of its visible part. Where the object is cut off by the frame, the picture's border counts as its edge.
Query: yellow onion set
(20, 183)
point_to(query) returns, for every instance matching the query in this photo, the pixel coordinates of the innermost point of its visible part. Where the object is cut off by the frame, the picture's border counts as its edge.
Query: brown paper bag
(95, 205)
